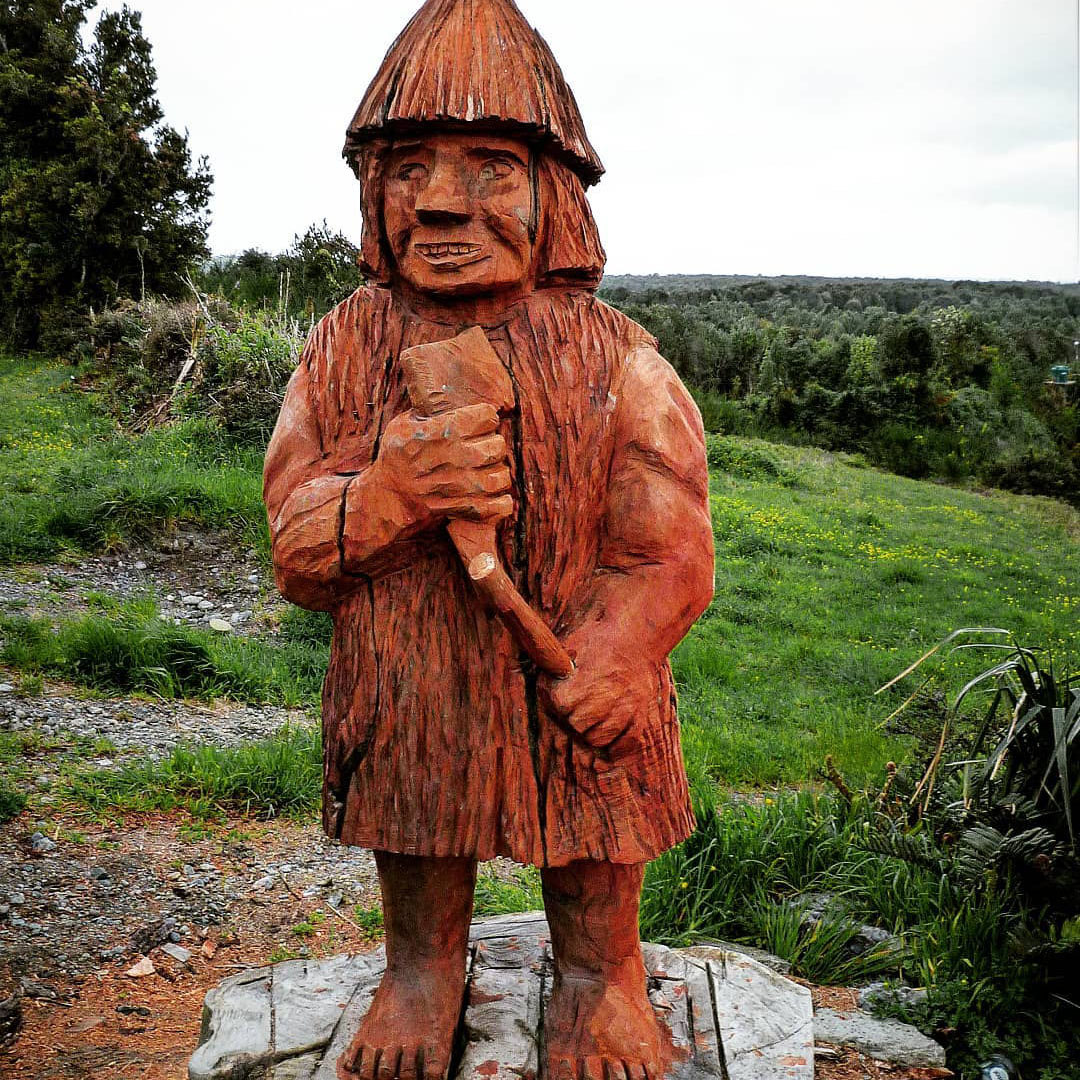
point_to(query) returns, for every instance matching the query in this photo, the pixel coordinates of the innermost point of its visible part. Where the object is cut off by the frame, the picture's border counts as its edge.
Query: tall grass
(279, 776)
(132, 650)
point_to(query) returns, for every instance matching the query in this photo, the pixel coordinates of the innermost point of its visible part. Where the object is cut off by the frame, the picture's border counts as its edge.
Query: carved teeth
(441, 251)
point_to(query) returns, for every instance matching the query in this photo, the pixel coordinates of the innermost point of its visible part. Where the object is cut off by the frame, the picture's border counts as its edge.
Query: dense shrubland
(928, 379)
(925, 379)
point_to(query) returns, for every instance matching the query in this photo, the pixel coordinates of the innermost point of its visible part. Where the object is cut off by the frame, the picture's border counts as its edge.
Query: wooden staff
(450, 375)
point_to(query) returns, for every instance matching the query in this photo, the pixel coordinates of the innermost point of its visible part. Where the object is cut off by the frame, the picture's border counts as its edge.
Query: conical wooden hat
(474, 62)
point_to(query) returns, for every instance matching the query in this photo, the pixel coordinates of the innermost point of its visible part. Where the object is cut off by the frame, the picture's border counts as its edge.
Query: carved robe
(436, 739)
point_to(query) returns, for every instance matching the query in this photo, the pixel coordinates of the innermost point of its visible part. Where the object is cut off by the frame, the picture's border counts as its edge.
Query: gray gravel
(150, 728)
(195, 578)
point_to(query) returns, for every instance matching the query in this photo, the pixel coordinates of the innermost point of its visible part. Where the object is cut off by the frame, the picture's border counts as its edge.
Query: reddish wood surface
(451, 375)
(575, 461)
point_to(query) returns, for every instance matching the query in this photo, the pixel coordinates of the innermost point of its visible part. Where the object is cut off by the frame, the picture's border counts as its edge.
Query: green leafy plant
(1022, 767)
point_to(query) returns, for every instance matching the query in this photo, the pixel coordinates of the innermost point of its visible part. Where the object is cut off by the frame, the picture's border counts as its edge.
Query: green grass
(497, 895)
(740, 876)
(279, 776)
(131, 650)
(73, 481)
(830, 579)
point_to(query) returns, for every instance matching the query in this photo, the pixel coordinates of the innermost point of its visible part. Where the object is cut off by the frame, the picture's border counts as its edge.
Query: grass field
(71, 480)
(831, 578)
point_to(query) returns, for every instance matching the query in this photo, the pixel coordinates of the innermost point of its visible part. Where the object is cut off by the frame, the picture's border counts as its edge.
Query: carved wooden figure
(497, 487)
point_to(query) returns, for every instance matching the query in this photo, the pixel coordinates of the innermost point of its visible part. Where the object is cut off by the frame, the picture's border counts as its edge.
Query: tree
(99, 198)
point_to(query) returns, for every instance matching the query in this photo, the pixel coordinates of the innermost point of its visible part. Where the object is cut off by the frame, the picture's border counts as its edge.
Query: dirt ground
(106, 1024)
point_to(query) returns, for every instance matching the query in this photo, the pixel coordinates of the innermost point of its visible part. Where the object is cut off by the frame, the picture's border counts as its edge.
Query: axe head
(450, 374)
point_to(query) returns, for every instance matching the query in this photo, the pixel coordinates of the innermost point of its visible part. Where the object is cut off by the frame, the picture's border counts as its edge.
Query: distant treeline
(929, 379)
(926, 378)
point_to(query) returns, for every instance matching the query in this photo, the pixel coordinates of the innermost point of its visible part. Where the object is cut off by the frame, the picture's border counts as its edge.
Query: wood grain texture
(489, 478)
(475, 62)
(438, 740)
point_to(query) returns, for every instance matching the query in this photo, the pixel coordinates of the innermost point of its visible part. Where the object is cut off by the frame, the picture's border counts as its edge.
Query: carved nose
(444, 201)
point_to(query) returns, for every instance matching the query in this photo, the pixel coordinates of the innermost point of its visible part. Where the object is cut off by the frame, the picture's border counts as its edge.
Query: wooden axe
(450, 375)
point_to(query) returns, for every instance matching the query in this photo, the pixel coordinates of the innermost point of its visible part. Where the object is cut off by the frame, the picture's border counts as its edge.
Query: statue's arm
(332, 522)
(656, 571)
(655, 576)
(339, 518)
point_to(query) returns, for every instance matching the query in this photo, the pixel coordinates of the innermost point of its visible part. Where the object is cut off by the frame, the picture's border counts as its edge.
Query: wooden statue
(497, 487)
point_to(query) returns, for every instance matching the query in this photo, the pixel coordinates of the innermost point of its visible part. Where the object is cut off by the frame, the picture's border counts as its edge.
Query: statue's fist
(449, 466)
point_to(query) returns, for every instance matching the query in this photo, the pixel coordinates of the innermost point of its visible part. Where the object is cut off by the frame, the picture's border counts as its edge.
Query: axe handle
(477, 551)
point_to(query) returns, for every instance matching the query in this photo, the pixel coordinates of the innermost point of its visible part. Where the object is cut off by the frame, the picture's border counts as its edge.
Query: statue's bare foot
(603, 1029)
(408, 1033)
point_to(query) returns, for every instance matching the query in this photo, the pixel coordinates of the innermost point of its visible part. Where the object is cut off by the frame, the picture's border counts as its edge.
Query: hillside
(831, 576)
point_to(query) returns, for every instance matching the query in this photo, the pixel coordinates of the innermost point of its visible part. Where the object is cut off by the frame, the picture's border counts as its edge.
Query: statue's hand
(604, 700)
(450, 466)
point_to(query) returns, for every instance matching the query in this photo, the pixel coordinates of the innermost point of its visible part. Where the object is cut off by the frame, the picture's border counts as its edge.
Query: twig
(333, 911)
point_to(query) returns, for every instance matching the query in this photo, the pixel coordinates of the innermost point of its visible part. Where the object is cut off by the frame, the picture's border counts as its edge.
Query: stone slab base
(736, 1019)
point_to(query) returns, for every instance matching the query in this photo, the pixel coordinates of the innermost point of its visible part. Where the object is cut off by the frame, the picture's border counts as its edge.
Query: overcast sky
(875, 138)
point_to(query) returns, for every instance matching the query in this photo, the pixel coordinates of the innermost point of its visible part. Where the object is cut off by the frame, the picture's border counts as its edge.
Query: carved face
(457, 210)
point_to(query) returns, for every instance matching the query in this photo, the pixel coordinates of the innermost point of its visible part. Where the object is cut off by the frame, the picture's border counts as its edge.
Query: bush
(12, 802)
(198, 358)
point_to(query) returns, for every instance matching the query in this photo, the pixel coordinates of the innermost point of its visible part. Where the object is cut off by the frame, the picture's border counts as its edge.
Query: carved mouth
(449, 257)
(441, 251)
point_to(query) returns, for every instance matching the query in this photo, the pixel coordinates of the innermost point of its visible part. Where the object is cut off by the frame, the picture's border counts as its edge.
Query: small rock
(221, 626)
(17, 899)
(177, 952)
(880, 995)
(191, 601)
(171, 598)
(133, 1010)
(140, 970)
(6, 688)
(267, 882)
(253, 578)
(96, 873)
(883, 1040)
(208, 950)
(140, 565)
(42, 844)
(207, 605)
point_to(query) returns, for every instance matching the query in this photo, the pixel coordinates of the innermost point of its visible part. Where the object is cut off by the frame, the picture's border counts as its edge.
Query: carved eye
(496, 169)
(413, 170)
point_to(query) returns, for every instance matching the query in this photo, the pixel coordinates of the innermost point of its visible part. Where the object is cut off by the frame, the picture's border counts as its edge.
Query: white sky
(875, 138)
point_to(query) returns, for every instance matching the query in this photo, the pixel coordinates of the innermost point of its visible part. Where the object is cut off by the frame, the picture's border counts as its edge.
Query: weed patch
(131, 650)
(280, 776)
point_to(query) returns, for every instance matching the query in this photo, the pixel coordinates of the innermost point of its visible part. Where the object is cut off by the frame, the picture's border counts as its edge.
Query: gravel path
(76, 894)
(194, 578)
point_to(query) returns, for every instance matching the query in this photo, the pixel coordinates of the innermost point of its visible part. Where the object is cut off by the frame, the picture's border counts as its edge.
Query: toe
(435, 1065)
(592, 1068)
(412, 1064)
(369, 1067)
(389, 1063)
(563, 1069)
(614, 1070)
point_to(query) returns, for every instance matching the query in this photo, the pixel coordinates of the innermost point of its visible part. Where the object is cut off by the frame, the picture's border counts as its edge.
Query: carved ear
(571, 252)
